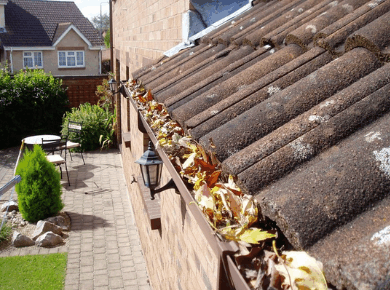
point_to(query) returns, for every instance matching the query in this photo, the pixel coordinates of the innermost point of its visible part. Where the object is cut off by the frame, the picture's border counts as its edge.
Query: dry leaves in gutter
(232, 214)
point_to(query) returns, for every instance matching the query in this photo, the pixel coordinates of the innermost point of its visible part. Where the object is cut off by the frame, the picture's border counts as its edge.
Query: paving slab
(104, 235)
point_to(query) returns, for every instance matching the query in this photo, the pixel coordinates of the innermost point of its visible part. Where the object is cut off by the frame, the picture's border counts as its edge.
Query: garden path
(104, 250)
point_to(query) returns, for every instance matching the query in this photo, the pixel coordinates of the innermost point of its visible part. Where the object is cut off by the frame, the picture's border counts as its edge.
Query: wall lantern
(113, 86)
(151, 168)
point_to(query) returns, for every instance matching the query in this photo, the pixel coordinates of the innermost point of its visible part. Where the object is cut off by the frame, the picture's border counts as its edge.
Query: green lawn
(33, 272)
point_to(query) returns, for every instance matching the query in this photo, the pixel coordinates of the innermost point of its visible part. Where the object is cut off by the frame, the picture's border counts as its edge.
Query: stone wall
(178, 255)
(144, 30)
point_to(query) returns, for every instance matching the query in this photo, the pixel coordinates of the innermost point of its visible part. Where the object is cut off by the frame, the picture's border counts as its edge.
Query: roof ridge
(45, 22)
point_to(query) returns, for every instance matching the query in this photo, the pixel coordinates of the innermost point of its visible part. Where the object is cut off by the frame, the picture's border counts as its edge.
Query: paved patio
(104, 249)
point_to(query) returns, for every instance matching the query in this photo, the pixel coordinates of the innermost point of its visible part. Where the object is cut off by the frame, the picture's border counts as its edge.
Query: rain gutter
(228, 271)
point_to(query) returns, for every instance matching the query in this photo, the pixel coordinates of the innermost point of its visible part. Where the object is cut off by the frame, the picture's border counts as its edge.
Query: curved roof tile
(295, 97)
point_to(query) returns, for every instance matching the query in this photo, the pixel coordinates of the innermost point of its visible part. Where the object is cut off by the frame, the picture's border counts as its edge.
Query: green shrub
(31, 103)
(39, 191)
(5, 232)
(106, 98)
(97, 121)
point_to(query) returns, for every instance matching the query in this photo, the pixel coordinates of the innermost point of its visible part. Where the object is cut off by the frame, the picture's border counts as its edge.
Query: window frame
(32, 56)
(66, 58)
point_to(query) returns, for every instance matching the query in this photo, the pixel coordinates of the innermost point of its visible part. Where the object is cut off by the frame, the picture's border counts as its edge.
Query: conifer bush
(39, 191)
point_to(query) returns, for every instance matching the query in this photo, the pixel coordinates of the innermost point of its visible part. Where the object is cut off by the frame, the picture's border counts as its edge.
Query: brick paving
(103, 248)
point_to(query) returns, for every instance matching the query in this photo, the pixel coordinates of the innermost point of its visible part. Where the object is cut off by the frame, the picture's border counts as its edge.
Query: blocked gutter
(228, 271)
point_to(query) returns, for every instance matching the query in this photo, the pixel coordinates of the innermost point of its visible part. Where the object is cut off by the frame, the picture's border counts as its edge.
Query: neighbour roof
(293, 97)
(61, 28)
(39, 23)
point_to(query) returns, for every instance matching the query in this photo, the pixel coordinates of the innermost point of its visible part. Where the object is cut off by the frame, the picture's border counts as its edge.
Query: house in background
(51, 35)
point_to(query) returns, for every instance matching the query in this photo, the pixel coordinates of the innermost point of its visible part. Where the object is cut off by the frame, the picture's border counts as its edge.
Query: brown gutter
(227, 269)
(111, 40)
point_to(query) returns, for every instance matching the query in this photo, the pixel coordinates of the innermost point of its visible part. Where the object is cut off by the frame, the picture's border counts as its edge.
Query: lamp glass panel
(154, 174)
(145, 175)
(113, 86)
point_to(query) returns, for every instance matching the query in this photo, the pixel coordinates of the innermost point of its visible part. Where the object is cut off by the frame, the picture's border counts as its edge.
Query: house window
(32, 59)
(71, 59)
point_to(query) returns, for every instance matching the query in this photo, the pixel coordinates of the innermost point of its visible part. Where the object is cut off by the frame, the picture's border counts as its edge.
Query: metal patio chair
(75, 128)
(50, 147)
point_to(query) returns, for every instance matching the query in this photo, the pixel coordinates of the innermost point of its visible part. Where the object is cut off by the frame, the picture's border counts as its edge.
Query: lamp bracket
(120, 90)
(170, 185)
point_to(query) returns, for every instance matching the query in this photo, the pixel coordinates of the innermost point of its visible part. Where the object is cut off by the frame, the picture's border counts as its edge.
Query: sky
(91, 8)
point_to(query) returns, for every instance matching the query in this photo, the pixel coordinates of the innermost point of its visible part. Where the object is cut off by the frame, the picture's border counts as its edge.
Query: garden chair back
(50, 147)
(75, 141)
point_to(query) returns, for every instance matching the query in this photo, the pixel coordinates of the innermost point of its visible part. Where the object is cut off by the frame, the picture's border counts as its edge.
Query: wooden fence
(81, 89)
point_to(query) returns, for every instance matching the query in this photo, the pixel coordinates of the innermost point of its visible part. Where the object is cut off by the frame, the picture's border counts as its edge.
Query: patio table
(37, 139)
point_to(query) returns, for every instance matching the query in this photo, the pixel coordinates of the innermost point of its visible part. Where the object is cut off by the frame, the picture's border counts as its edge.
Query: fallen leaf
(190, 161)
(232, 185)
(221, 192)
(213, 178)
(235, 203)
(206, 166)
(204, 154)
(254, 236)
(149, 96)
(249, 210)
(301, 271)
(246, 257)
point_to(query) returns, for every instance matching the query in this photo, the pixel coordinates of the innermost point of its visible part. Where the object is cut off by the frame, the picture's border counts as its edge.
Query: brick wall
(144, 30)
(81, 89)
(178, 255)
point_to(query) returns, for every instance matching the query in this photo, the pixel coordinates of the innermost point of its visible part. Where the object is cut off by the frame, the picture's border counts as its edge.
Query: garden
(33, 102)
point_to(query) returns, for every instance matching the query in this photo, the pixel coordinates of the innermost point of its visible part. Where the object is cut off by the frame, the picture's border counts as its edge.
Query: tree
(102, 25)
(107, 38)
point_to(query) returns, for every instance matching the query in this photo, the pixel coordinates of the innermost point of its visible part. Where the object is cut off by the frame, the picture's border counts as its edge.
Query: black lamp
(113, 86)
(151, 168)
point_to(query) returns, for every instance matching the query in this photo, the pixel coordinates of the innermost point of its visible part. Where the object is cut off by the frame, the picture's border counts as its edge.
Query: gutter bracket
(141, 126)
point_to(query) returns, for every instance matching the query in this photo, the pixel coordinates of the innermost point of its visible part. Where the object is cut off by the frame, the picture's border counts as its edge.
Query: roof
(295, 97)
(61, 28)
(39, 23)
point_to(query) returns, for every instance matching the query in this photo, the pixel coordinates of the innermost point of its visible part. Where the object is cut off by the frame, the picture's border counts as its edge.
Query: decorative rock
(59, 221)
(43, 227)
(19, 240)
(11, 206)
(48, 239)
